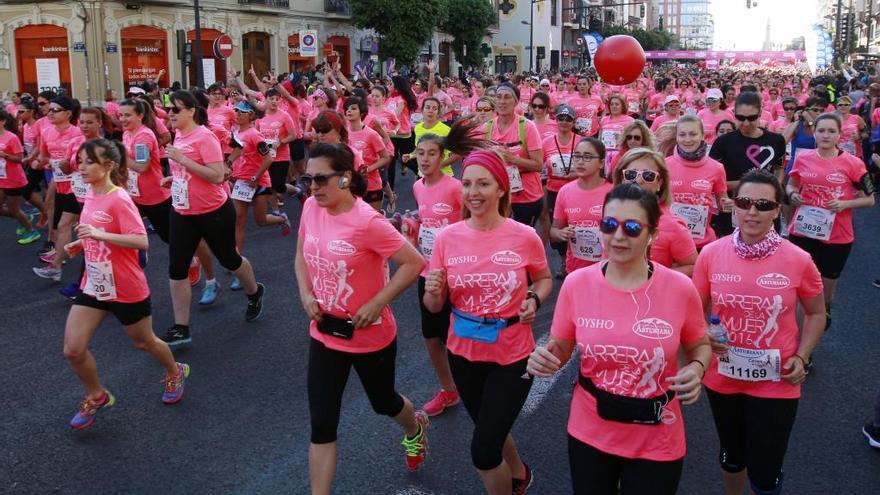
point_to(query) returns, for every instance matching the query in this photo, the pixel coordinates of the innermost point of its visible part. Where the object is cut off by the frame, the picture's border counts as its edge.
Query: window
(553, 8)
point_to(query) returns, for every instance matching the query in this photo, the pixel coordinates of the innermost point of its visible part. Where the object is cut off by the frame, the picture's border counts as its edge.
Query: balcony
(281, 4)
(339, 7)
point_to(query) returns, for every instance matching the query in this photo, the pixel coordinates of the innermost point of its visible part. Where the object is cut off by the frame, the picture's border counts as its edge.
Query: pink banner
(786, 56)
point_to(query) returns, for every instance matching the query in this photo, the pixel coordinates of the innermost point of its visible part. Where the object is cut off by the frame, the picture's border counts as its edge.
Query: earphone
(343, 182)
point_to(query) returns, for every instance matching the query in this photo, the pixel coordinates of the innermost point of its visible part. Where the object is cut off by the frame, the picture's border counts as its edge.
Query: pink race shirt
(398, 105)
(696, 187)
(488, 275)
(629, 343)
(222, 117)
(756, 301)
(710, 121)
(823, 180)
(587, 112)
(11, 174)
(581, 209)
(275, 127)
(439, 206)
(346, 256)
(109, 265)
(673, 241)
(370, 144)
(557, 160)
(661, 119)
(293, 110)
(850, 138)
(546, 129)
(509, 139)
(250, 161)
(191, 194)
(612, 129)
(145, 188)
(56, 145)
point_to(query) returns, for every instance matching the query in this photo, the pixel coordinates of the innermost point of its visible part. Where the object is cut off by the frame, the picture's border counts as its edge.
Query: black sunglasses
(632, 228)
(323, 130)
(564, 118)
(632, 174)
(789, 109)
(539, 106)
(175, 109)
(744, 203)
(634, 137)
(750, 118)
(320, 180)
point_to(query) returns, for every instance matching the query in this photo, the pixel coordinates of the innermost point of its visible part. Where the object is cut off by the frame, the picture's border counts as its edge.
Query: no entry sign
(223, 46)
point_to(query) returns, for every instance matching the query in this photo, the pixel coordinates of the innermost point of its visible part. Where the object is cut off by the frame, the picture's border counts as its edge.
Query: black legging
(559, 247)
(598, 473)
(327, 375)
(528, 213)
(159, 216)
(493, 395)
(402, 146)
(216, 227)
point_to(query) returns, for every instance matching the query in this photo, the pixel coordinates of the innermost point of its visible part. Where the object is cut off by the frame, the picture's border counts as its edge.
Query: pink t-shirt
(293, 110)
(222, 117)
(275, 127)
(149, 183)
(116, 213)
(587, 112)
(250, 161)
(29, 135)
(557, 160)
(582, 209)
(11, 174)
(398, 105)
(546, 129)
(509, 140)
(56, 145)
(823, 180)
(191, 194)
(779, 125)
(673, 241)
(162, 130)
(612, 129)
(711, 120)
(695, 188)
(629, 343)
(346, 256)
(388, 121)
(488, 276)
(756, 302)
(439, 206)
(112, 109)
(370, 144)
(850, 139)
(661, 119)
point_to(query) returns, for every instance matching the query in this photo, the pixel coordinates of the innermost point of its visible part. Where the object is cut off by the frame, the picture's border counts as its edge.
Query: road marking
(413, 490)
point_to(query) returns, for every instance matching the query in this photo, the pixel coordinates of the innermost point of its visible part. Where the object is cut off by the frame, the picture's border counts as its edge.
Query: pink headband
(319, 93)
(491, 162)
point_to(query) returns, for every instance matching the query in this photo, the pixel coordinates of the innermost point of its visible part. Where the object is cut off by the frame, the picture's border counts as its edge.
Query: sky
(744, 29)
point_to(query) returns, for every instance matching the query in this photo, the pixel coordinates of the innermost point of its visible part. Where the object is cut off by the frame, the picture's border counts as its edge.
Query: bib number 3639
(814, 222)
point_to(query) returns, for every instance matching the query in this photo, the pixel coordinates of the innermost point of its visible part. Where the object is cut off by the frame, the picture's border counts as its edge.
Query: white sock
(210, 282)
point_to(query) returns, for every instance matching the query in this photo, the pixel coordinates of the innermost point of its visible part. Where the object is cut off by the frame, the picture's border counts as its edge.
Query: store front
(340, 47)
(297, 64)
(42, 58)
(214, 69)
(144, 54)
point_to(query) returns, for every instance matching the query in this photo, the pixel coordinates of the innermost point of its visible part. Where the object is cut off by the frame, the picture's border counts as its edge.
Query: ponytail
(110, 151)
(465, 136)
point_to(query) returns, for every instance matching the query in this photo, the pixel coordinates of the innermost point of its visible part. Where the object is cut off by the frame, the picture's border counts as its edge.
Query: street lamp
(531, 24)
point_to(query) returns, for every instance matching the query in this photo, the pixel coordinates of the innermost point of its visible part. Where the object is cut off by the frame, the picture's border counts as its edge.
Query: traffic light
(642, 11)
(845, 27)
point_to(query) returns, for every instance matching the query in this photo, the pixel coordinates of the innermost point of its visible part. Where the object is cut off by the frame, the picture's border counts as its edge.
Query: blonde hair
(659, 160)
(647, 136)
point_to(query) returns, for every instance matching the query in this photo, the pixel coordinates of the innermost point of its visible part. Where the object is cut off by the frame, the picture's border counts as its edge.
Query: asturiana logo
(102, 217)
(341, 248)
(836, 178)
(506, 258)
(441, 209)
(596, 210)
(653, 328)
(773, 281)
(701, 184)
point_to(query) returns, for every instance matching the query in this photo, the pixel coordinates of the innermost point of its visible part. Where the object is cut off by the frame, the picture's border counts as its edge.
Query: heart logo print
(761, 156)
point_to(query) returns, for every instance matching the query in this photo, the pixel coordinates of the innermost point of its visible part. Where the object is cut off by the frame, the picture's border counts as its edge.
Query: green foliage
(403, 26)
(650, 40)
(468, 22)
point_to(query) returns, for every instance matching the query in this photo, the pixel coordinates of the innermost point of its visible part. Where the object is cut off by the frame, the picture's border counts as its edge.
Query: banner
(308, 43)
(48, 74)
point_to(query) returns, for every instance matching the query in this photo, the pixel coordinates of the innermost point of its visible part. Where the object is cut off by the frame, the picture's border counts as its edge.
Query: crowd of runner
(700, 221)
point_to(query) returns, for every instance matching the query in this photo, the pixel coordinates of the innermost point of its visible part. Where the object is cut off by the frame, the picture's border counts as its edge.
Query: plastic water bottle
(716, 331)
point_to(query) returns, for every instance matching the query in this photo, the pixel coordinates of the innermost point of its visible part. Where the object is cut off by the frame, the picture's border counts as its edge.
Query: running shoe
(48, 257)
(209, 294)
(30, 237)
(31, 217)
(872, 433)
(236, 284)
(174, 385)
(89, 408)
(19, 230)
(177, 335)
(255, 304)
(443, 399)
(286, 229)
(48, 272)
(70, 291)
(48, 247)
(520, 486)
(416, 448)
(195, 271)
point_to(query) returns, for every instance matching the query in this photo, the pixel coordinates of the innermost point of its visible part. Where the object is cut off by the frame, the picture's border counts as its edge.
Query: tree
(403, 26)
(479, 15)
(654, 39)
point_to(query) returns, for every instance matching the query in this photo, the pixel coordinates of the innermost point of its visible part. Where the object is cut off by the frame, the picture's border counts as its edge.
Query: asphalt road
(243, 427)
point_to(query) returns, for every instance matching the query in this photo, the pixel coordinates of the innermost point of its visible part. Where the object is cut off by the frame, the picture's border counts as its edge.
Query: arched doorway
(144, 54)
(42, 58)
(445, 50)
(208, 60)
(255, 50)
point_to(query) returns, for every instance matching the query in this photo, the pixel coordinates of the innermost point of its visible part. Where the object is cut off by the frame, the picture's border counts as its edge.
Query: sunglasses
(632, 228)
(744, 203)
(749, 118)
(789, 109)
(319, 180)
(175, 110)
(634, 137)
(545, 85)
(564, 118)
(712, 100)
(583, 157)
(632, 175)
(55, 110)
(539, 106)
(484, 110)
(323, 130)
(814, 109)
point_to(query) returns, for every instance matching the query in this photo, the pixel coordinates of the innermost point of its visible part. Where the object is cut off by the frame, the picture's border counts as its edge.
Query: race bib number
(243, 191)
(584, 124)
(751, 365)
(273, 147)
(814, 222)
(2, 168)
(132, 184)
(426, 240)
(516, 184)
(633, 107)
(586, 244)
(58, 175)
(557, 165)
(179, 194)
(787, 150)
(609, 139)
(695, 216)
(79, 187)
(100, 283)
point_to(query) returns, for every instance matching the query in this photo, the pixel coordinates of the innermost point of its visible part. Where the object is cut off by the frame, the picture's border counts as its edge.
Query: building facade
(520, 20)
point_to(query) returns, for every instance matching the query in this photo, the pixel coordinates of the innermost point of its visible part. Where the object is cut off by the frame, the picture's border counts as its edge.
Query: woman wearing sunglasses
(626, 430)
(484, 110)
(559, 168)
(800, 132)
(825, 185)
(854, 129)
(542, 115)
(754, 280)
(201, 210)
(673, 246)
(635, 135)
(611, 129)
(342, 257)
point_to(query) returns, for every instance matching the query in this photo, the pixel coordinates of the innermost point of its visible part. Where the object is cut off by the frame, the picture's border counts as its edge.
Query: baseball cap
(136, 90)
(669, 99)
(565, 109)
(545, 81)
(714, 93)
(244, 106)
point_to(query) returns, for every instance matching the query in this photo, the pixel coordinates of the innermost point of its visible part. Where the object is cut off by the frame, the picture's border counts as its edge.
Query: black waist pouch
(337, 327)
(613, 407)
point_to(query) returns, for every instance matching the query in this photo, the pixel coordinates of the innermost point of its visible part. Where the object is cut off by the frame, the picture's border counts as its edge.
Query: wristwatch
(253, 178)
(531, 295)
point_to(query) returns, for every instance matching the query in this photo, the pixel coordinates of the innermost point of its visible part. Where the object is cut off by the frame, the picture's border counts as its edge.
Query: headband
(333, 118)
(319, 93)
(491, 162)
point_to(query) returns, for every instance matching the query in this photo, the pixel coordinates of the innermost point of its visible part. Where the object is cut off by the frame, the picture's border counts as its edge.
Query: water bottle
(716, 331)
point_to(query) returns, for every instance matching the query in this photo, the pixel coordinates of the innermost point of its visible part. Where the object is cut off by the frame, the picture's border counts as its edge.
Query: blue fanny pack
(479, 329)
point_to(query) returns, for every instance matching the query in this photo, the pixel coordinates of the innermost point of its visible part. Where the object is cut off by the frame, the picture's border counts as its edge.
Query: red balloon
(619, 59)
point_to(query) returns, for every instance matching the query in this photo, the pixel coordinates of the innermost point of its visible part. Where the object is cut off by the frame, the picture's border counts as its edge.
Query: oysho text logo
(726, 277)
(341, 248)
(457, 260)
(653, 328)
(774, 281)
(506, 258)
(595, 323)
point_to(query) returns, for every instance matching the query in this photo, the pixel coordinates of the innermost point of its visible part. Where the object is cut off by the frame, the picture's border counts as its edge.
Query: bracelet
(701, 366)
(803, 361)
(532, 295)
